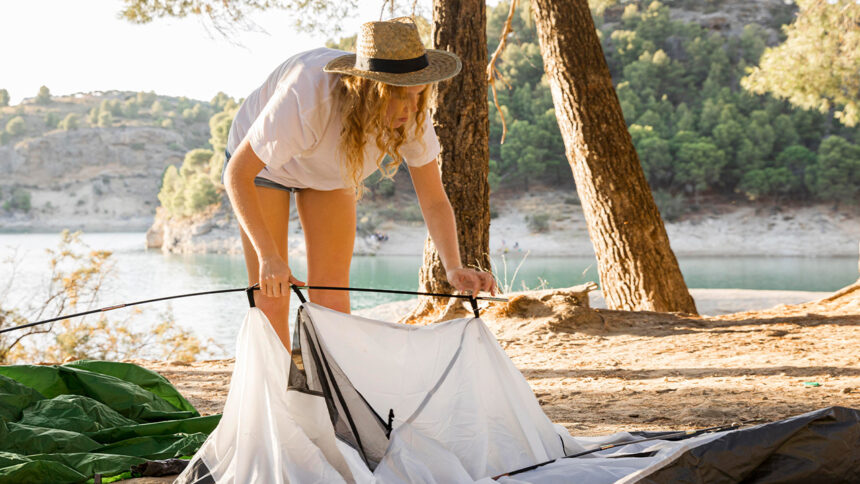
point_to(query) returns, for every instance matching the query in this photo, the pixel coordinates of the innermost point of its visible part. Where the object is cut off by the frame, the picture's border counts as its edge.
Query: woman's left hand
(471, 280)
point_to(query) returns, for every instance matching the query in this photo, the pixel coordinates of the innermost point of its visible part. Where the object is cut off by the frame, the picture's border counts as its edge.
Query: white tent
(389, 403)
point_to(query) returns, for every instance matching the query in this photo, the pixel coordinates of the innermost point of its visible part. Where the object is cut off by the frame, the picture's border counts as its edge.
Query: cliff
(93, 179)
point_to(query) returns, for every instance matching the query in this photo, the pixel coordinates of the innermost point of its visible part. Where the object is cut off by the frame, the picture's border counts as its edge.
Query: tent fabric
(820, 446)
(382, 403)
(67, 423)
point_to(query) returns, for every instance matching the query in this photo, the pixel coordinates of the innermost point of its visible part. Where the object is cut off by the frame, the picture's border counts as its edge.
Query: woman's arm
(439, 217)
(275, 276)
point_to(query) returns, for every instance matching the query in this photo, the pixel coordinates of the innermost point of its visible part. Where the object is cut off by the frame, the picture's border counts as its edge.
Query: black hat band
(391, 66)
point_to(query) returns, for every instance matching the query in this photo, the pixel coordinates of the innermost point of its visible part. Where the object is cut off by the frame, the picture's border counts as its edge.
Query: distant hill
(93, 160)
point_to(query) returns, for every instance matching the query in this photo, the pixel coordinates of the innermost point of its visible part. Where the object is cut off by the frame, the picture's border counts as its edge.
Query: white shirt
(293, 124)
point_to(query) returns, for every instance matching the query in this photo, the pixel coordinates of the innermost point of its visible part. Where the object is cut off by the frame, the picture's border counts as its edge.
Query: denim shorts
(258, 181)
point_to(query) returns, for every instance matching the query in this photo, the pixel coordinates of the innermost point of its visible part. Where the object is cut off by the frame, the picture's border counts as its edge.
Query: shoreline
(709, 302)
(721, 230)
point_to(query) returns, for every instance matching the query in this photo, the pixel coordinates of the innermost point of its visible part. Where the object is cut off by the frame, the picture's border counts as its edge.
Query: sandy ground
(598, 371)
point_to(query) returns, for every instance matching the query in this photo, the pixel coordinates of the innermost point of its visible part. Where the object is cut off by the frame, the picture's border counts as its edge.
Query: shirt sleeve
(289, 125)
(420, 151)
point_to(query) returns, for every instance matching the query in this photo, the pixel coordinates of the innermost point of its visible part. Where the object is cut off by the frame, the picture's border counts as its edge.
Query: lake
(140, 274)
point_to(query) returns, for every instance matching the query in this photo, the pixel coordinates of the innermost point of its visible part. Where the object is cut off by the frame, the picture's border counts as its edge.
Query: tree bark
(462, 124)
(638, 270)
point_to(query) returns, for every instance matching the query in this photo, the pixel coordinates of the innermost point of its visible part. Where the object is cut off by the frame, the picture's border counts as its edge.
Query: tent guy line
(250, 290)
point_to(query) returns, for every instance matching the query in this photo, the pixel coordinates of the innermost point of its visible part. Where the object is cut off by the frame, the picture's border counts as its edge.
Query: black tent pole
(249, 290)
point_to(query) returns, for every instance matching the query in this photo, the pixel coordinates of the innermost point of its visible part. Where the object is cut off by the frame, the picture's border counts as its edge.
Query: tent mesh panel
(355, 421)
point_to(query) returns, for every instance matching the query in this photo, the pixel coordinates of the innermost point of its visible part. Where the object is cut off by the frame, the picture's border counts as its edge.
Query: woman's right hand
(276, 277)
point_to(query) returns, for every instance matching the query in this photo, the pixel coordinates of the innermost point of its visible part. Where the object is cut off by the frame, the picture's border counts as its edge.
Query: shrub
(70, 122)
(16, 126)
(199, 193)
(19, 201)
(192, 187)
(196, 161)
(145, 99)
(836, 174)
(130, 108)
(51, 120)
(105, 119)
(4, 98)
(156, 109)
(538, 222)
(385, 187)
(44, 96)
(672, 207)
(172, 193)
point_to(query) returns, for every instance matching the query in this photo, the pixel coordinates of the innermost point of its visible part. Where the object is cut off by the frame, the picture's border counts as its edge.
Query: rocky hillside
(92, 161)
(93, 179)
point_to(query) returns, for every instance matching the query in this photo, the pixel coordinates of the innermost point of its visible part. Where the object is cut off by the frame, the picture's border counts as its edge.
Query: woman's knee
(272, 306)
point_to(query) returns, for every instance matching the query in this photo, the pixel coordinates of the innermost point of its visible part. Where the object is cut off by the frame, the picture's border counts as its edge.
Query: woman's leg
(328, 220)
(276, 213)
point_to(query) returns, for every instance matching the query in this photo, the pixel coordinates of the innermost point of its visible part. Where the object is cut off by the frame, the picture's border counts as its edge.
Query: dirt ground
(599, 371)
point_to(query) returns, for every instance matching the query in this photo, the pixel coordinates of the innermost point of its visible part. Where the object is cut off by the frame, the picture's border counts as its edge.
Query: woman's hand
(276, 277)
(471, 280)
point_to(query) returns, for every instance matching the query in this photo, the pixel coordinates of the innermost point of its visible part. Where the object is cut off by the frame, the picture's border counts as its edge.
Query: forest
(696, 129)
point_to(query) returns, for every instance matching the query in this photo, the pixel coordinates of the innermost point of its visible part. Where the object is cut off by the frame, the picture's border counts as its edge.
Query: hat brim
(441, 65)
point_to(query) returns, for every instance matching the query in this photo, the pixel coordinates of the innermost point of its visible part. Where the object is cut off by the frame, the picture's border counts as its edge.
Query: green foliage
(199, 193)
(815, 68)
(699, 166)
(538, 222)
(196, 113)
(695, 129)
(4, 98)
(18, 201)
(16, 126)
(310, 16)
(105, 119)
(836, 175)
(111, 106)
(130, 108)
(195, 161)
(344, 43)
(52, 120)
(44, 96)
(156, 109)
(145, 99)
(385, 188)
(70, 122)
(221, 101)
(672, 207)
(191, 188)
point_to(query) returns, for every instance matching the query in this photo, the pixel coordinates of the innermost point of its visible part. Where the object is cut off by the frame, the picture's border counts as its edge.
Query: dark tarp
(67, 423)
(822, 446)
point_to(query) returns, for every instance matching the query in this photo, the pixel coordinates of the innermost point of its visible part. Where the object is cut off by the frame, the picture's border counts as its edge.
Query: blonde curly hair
(364, 109)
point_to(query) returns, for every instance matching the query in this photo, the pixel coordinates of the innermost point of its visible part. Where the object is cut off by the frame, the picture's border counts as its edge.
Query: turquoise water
(140, 274)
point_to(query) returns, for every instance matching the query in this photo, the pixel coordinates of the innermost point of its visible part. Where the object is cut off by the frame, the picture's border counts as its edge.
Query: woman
(320, 124)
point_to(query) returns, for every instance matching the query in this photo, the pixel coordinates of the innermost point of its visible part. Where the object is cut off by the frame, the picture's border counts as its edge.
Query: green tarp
(64, 424)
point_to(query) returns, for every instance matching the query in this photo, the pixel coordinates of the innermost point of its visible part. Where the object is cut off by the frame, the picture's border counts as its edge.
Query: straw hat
(391, 52)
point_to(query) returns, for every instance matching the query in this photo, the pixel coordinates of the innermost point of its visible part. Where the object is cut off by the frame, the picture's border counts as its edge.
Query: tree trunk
(462, 124)
(638, 270)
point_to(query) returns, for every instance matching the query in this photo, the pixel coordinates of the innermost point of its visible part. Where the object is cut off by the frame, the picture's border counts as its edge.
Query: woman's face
(402, 106)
